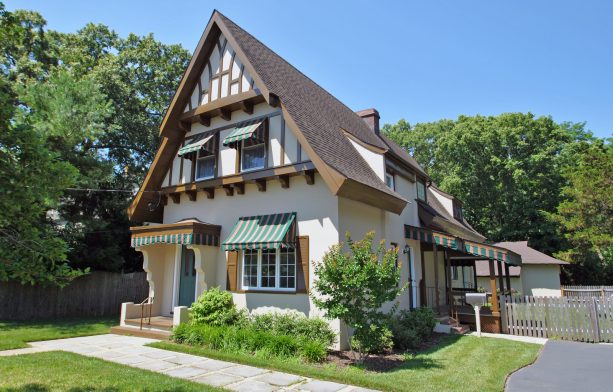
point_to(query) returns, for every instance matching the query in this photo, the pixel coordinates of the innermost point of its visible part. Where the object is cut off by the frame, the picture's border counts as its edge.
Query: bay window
(269, 269)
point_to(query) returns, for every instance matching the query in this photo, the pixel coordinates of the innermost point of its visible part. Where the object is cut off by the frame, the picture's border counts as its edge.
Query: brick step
(460, 329)
(143, 333)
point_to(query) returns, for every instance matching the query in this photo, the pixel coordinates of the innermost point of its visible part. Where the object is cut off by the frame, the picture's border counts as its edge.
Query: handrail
(145, 302)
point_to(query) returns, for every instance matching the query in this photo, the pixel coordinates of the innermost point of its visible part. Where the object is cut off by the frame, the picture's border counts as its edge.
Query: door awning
(472, 248)
(194, 146)
(242, 132)
(185, 232)
(263, 232)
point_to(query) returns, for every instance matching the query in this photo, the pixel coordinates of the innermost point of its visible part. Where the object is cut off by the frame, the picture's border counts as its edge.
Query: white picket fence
(587, 319)
(587, 291)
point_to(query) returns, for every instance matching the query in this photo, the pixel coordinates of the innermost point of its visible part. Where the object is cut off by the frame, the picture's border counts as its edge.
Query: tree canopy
(80, 114)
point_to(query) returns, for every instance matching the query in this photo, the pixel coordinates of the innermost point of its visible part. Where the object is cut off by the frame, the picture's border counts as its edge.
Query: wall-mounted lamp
(406, 249)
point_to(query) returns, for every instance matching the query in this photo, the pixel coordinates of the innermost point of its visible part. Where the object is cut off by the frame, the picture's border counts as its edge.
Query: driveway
(567, 366)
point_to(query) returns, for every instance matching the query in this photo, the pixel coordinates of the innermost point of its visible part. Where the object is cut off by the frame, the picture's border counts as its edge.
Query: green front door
(187, 278)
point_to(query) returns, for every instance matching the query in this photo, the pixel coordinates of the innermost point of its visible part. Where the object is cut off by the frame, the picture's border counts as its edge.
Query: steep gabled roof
(530, 255)
(400, 153)
(318, 119)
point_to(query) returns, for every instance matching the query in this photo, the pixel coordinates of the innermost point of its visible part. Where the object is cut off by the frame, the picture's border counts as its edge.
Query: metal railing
(147, 302)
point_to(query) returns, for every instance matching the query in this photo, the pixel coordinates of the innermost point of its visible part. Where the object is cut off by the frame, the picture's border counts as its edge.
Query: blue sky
(418, 60)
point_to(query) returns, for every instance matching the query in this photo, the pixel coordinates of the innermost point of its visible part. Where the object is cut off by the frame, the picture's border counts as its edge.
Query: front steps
(450, 326)
(151, 333)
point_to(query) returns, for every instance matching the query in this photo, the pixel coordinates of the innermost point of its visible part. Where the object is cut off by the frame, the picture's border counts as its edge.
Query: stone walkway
(131, 351)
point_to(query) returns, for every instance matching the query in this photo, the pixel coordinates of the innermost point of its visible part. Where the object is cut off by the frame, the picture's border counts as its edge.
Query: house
(539, 274)
(260, 171)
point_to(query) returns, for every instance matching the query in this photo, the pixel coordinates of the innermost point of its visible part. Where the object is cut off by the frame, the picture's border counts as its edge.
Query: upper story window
(457, 211)
(250, 139)
(205, 166)
(253, 154)
(390, 181)
(421, 190)
(202, 151)
(269, 269)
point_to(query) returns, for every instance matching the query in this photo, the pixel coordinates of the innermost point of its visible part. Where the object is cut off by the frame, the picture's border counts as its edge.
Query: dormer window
(421, 190)
(457, 211)
(250, 139)
(390, 181)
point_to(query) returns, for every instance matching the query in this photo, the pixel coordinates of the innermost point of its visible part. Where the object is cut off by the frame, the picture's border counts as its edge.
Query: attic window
(457, 211)
(390, 181)
(421, 190)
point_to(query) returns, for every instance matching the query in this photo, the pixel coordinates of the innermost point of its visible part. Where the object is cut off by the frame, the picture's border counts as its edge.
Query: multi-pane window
(269, 269)
(389, 181)
(205, 166)
(253, 154)
(457, 211)
(250, 268)
(421, 190)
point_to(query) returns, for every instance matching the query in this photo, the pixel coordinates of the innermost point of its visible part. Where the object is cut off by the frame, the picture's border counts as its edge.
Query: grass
(61, 371)
(16, 334)
(457, 363)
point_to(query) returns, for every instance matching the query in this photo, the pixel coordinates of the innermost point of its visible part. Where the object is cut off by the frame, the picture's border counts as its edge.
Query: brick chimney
(370, 117)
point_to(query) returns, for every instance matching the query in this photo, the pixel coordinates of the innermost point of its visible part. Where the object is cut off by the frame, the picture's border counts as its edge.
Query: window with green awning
(263, 232)
(242, 132)
(197, 145)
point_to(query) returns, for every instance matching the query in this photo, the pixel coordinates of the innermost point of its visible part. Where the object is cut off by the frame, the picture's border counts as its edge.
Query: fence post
(596, 323)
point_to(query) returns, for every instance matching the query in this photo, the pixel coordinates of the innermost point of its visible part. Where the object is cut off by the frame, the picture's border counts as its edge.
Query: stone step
(460, 329)
(151, 333)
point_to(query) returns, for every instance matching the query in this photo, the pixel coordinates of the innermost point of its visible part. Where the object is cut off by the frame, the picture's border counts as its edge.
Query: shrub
(371, 339)
(411, 327)
(216, 307)
(294, 324)
(248, 340)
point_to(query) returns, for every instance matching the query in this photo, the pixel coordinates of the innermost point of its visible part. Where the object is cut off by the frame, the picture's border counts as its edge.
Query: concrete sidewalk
(131, 351)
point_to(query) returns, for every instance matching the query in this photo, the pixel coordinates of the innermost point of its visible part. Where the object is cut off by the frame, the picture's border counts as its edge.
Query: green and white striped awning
(195, 145)
(242, 132)
(263, 232)
(182, 239)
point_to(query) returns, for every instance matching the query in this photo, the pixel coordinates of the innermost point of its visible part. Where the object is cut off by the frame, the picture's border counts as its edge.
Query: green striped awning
(195, 145)
(262, 232)
(182, 239)
(242, 132)
(461, 245)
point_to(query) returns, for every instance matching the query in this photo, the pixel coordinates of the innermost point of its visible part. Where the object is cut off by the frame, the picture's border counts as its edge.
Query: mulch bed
(381, 362)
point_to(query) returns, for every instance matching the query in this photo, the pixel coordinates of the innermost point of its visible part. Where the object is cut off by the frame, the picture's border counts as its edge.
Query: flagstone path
(131, 351)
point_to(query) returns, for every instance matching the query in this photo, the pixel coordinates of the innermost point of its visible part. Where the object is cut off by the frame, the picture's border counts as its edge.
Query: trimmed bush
(372, 339)
(411, 327)
(216, 307)
(294, 324)
(247, 340)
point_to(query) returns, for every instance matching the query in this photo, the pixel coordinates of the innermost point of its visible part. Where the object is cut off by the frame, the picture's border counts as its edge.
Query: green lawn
(16, 334)
(61, 371)
(458, 363)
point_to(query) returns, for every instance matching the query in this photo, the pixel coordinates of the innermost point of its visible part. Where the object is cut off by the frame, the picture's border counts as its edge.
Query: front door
(187, 278)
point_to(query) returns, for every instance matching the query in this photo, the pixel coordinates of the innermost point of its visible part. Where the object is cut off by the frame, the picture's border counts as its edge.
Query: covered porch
(449, 272)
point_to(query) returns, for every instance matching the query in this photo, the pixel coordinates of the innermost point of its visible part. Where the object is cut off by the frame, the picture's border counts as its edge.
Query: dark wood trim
(225, 114)
(309, 175)
(164, 200)
(228, 126)
(194, 163)
(284, 180)
(423, 296)
(507, 276)
(273, 100)
(247, 107)
(500, 276)
(185, 126)
(230, 103)
(435, 263)
(282, 142)
(181, 171)
(204, 119)
(261, 184)
(298, 151)
(172, 163)
(176, 197)
(229, 190)
(192, 195)
(240, 188)
(209, 192)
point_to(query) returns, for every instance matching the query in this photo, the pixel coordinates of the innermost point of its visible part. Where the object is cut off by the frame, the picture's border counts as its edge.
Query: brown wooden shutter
(232, 270)
(302, 264)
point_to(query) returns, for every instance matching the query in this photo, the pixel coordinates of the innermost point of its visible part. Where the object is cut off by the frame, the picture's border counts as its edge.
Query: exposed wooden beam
(273, 100)
(229, 190)
(204, 120)
(185, 126)
(225, 113)
(193, 195)
(247, 107)
(261, 184)
(176, 198)
(209, 192)
(240, 188)
(309, 175)
(164, 200)
(284, 179)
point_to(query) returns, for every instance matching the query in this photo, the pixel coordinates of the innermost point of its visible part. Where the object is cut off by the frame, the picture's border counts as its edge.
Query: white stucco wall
(375, 160)
(541, 280)
(444, 200)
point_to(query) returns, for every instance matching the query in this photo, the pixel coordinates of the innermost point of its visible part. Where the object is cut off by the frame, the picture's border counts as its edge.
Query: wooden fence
(587, 291)
(587, 319)
(94, 295)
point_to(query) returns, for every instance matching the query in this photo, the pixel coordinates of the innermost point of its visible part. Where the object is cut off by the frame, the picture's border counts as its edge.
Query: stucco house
(260, 170)
(539, 274)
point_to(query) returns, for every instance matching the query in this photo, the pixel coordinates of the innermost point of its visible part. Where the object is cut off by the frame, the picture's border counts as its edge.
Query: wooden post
(448, 282)
(435, 256)
(495, 309)
(508, 276)
(423, 292)
(501, 277)
(475, 276)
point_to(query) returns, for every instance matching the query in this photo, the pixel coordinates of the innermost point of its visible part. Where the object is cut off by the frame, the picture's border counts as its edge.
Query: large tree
(506, 169)
(80, 111)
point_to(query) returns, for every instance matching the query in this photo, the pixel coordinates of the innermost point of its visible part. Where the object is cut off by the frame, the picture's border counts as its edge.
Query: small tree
(352, 286)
